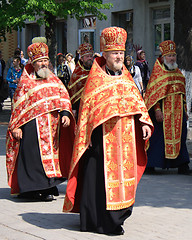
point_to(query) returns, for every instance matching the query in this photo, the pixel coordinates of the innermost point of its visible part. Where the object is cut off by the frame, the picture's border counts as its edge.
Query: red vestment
(169, 87)
(41, 99)
(77, 82)
(115, 103)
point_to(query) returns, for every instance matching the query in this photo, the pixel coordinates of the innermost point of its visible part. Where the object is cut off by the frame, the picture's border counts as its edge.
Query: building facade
(147, 22)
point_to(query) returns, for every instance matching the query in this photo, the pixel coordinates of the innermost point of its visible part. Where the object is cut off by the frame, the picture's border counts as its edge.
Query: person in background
(63, 71)
(41, 130)
(3, 94)
(76, 56)
(165, 100)
(23, 59)
(9, 63)
(70, 61)
(96, 55)
(13, 75)
(144, 67)
(79, 76)
(109, 151)
(135, 72)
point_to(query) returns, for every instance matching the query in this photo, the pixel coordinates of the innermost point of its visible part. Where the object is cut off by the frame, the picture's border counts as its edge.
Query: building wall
(8, 47)
(143, 28)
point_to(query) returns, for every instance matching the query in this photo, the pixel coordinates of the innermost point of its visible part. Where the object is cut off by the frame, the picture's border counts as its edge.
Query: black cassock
(30, 173)
(93, 214)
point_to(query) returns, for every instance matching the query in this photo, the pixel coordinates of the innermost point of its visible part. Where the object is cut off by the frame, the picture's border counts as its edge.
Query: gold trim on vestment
(72, 85)
(168, 87)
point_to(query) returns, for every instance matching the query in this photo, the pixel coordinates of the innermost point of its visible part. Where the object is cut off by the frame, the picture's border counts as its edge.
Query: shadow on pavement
(167, 189)
(5, 193)
(53, 221)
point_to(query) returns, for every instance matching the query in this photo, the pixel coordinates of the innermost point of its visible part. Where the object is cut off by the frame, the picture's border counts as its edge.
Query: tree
(14, 13)
(183, 40)
(183, 33)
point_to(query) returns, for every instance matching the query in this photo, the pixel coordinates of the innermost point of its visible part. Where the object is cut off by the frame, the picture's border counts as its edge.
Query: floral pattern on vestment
(168, 86)
(114, 102)
(77, 82)
(27, 105)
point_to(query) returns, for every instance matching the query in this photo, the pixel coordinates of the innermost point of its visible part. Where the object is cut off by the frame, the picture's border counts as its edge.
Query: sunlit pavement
(163, 210)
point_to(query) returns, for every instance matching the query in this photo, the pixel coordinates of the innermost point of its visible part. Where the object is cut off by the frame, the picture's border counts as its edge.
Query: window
(32, 30)
(87, 28)
(61, 37)
(125, 20)
(162, 26)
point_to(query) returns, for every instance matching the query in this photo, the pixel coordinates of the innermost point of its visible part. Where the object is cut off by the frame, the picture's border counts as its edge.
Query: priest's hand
(146, 132)
(65, 121)
(159, 116)
(17, 133)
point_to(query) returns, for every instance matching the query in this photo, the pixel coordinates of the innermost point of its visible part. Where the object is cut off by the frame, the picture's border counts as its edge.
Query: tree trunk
(50, 33)
(183, 33)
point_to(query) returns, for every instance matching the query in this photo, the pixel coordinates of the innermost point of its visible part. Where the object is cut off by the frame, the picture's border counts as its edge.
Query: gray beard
(43, 73)
(171, 66)
(117, 66)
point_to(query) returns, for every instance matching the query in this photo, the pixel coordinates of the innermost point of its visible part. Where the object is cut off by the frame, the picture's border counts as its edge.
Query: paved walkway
(163, 210)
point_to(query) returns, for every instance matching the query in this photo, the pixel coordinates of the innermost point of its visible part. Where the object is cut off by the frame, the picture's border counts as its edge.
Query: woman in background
(135, 72)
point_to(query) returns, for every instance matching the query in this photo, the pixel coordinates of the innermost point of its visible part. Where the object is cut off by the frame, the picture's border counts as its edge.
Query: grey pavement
(163, 209)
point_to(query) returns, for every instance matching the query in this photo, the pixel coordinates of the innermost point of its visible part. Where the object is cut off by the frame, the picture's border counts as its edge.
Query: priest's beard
(171, 66)
(43, 72)
(88, 64)
(117, 66)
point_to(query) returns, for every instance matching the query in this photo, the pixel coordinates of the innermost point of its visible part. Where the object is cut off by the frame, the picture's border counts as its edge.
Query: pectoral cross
(123, 102)
(174, 88)
(47, 104)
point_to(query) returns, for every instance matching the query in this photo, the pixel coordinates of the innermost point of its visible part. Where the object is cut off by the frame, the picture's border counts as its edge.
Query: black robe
(93, 214)
(30, 173)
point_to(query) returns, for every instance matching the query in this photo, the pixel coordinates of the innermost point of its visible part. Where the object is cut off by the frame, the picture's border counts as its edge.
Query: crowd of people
(100, 122)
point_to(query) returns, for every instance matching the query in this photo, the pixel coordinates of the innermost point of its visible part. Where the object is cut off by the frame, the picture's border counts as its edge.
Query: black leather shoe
(47, 198)
(43, 197)
(151, 171)
(54, 191)
(185, 172)
(119, 231)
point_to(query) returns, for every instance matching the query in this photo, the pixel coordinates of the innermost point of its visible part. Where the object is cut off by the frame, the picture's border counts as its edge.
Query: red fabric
(28, 104)
(106, 98)
(169, 87)
(77, 82)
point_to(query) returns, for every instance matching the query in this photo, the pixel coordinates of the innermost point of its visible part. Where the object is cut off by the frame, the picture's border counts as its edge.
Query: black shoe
(47, 198)
(185, 172)
(151, 171)
(119, 231)
(26, 195)
(38, 196)
(54, 191)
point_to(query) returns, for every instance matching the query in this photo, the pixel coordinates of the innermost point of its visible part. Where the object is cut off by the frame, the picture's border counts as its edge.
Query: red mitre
(85, 48)
(167, 47)
(38, 50)
(113, 38)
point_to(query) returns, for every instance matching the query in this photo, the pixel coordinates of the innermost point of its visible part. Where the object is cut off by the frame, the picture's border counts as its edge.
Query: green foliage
(14, 13)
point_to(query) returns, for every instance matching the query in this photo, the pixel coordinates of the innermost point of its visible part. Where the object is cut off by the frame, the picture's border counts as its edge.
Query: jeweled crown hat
(113, 38)
(167, 47)
(85, 48)
(38, 49)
